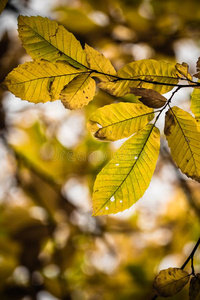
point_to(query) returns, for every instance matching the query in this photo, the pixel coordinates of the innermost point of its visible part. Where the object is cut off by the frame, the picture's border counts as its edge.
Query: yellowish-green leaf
(183, 136)
(45, 39)
(2, 5)
(100, 63)
(149, 97)
(183, 70)
(79, 92)
(40, 81)
(195, 103)
(125, 178)
(119, 120)
(170, 281)
(194, 290)
(159, 76)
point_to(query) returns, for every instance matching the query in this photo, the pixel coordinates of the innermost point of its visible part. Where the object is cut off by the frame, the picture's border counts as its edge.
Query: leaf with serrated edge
(198, 68)
(194, 289)
(79, 92)
(183, 136)
(119, 120)
(183, 70)
(170, 281)
(149, 98)
(136, 74)
(2, 5)
(125, 178)
(195, 103)
(97, 61)
(40, 81)
(45, 39)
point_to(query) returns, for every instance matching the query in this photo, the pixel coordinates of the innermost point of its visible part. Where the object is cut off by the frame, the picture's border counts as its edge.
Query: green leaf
(78, 92)
(45, 39)
(170, 281)
(2, 5)
(125, 178)
(183, 70)
(40, 81)
(149, 98)
(100, 63)
(136, 74)
(119, 120)
(183, 136)
(194, 290)
(195, 103)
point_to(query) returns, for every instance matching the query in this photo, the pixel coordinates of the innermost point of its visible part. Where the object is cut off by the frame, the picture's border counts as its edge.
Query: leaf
(78, 92)
(100, 63)
(136, 74)
(183, 136)
(170, 281)
(198, 68)
(40, 81)
(119, 120)
(45, 39)
(194, 290)
(2, 5)
(149, 98)
(195, 103)
(183, 70)
(125, 178)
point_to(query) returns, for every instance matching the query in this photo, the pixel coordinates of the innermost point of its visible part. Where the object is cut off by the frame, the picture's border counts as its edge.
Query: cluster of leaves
(63, 70)
(170, 281)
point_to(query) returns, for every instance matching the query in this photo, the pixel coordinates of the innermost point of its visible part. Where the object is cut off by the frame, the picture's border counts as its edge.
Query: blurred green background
(50, 245)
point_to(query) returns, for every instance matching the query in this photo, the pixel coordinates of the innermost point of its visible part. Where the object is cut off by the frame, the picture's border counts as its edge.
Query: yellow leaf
(170, 281)
(149, 98)
(183, 70)
(195, 103)
(119, 120)
(194, 290)
(136, 74)
(79, 92)
(2, 5)
(40, 81)
(45, 39)
(100, 63)
(183, 136)
(125, 178)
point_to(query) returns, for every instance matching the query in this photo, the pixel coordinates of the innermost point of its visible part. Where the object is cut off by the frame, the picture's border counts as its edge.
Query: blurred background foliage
(50, 245)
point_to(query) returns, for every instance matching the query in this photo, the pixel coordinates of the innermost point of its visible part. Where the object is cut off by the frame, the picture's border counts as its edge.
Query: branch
(117, 78)
(191, 256)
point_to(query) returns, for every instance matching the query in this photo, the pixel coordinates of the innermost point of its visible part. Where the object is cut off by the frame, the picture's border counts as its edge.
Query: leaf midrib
(125, 120)
(53, 45)
(129, 171)
(56, 76)
(185, 137)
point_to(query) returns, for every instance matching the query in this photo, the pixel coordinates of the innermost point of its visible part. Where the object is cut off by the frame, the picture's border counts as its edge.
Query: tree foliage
(63, 70)
(130, 106)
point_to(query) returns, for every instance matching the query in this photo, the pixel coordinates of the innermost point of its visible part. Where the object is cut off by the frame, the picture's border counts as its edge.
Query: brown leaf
(149, 97)
(170, 281)
(194, 290)
(198, 68)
